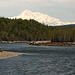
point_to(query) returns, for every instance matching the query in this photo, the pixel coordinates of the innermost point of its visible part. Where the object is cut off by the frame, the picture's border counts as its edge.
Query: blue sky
(61, 9)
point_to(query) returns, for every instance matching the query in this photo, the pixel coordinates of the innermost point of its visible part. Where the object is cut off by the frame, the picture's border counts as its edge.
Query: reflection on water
(38, 60)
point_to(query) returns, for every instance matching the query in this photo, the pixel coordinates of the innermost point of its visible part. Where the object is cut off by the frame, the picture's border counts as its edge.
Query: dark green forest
(31, 30)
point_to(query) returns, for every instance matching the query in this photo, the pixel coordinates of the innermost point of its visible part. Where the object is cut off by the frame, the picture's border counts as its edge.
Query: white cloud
(63, 3)
(53, 3)
(7, 3)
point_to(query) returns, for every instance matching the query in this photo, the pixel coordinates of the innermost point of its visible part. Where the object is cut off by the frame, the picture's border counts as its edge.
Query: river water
(38, 60)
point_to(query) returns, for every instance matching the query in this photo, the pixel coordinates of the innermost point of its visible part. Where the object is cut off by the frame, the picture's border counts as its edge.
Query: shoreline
(42, 43)
(52, 43)
(14, 41)
(6, 54)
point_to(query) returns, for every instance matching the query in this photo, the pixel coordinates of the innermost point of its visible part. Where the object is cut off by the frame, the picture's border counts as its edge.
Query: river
(38, 60)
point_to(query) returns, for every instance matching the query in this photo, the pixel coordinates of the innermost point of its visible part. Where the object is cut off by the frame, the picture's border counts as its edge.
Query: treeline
(31, 30)
(69, 26)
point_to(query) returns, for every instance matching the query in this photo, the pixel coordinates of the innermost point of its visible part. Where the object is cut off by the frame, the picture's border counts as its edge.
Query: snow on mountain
(42, 18)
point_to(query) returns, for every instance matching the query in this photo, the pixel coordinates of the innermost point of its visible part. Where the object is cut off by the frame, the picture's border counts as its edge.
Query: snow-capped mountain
(42, 18)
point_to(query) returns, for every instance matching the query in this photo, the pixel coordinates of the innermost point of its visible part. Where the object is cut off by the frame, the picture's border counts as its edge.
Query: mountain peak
(26, 11)
(40, 17)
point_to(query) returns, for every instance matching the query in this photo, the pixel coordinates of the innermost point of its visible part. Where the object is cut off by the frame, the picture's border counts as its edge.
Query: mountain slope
(42, 18)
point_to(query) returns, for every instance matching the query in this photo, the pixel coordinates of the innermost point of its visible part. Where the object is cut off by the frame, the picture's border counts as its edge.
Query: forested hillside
(31, 30)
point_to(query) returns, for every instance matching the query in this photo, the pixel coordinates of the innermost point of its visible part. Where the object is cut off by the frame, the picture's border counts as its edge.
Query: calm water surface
(38, 60)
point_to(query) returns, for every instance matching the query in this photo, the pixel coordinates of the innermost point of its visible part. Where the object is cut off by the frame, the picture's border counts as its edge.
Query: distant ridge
(66, 26)
(42, 18)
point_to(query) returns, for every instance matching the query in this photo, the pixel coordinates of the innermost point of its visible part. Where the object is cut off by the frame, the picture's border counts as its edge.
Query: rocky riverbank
(52, 43)
(14, 41)
(5, 54)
